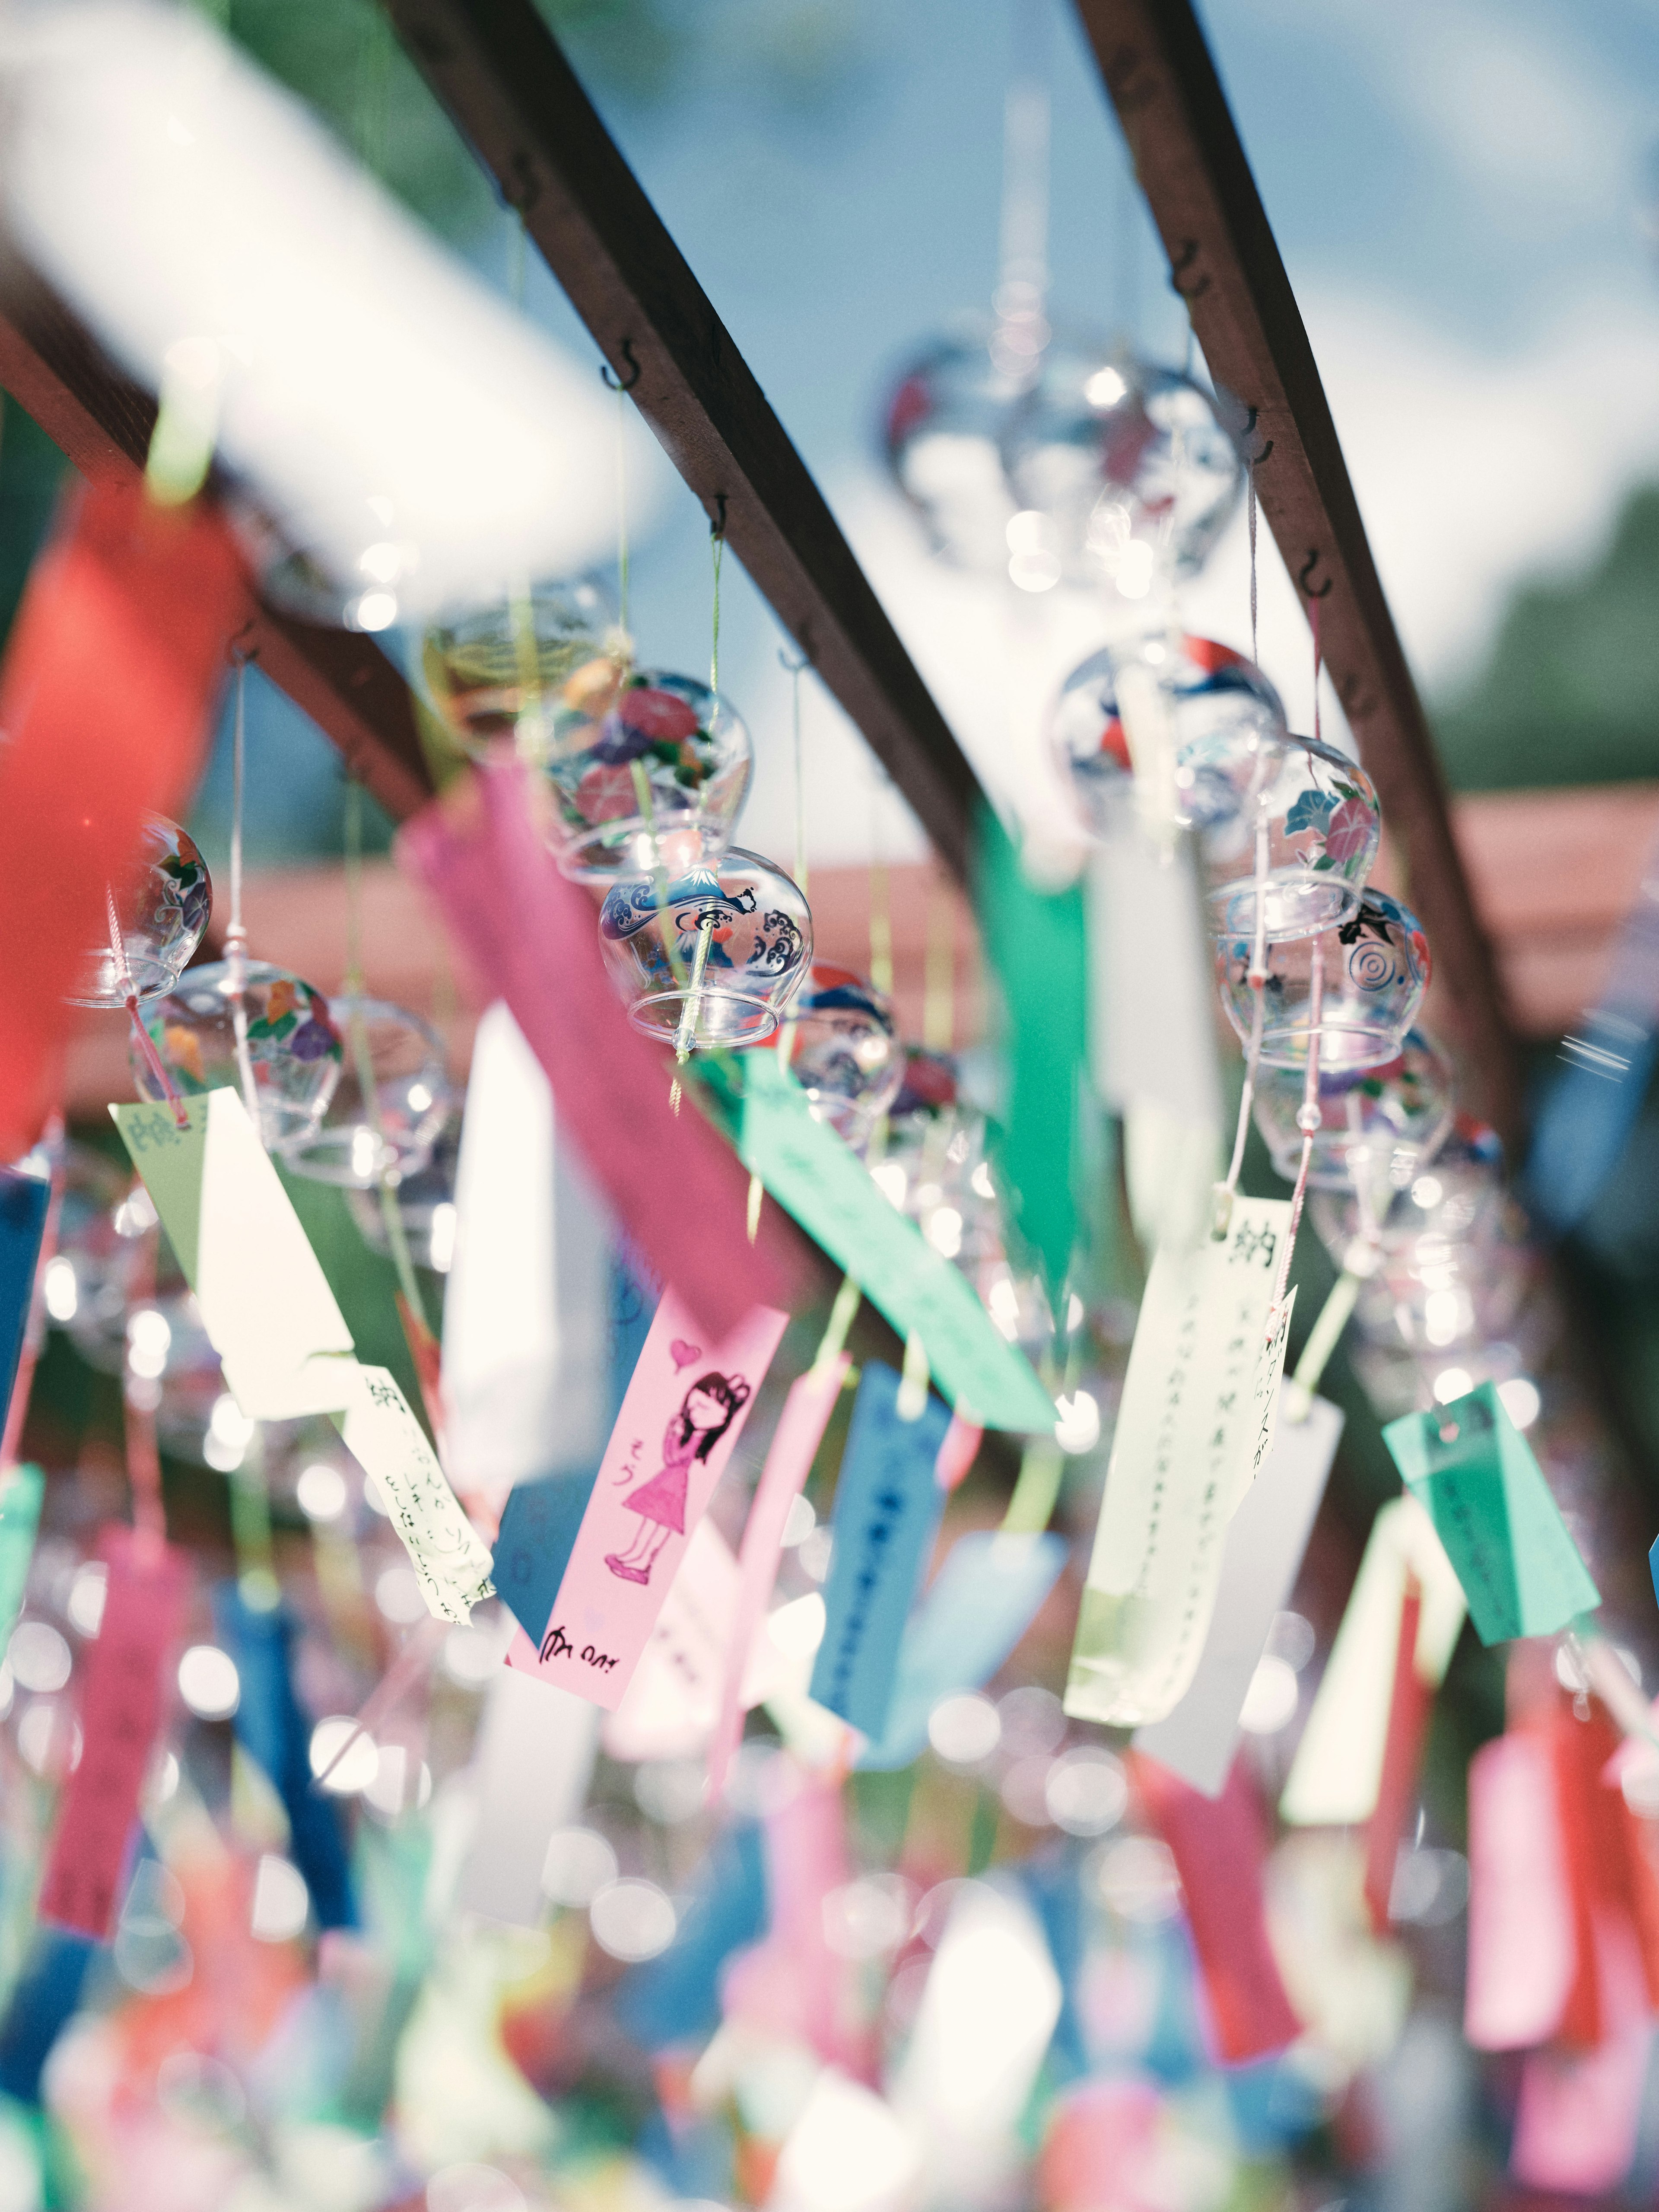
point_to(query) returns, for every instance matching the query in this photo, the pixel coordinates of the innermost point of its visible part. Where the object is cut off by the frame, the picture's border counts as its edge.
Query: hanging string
(161, 1074)
(795, 667)
(621, 513)
(363, 1059)
(1249, 497)
(717, 548)
(1307, 1120)
(881, 918)
(939, 983)
(1312, 618)
(235, 933)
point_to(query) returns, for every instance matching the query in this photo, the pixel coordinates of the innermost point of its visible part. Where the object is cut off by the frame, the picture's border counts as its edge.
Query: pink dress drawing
(711, 1405)
(663, 1498)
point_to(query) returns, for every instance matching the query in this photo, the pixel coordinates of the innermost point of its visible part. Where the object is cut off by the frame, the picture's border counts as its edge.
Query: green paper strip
(20, 1516)
(810, 1171)
(1036, 944)
(1492, 1511)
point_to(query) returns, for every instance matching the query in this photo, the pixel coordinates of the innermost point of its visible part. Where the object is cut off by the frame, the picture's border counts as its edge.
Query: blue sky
(1458, 188)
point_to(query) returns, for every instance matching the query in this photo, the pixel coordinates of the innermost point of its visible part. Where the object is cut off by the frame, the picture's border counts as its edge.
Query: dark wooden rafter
(1225, 264)
(501, 74)
(102, 424)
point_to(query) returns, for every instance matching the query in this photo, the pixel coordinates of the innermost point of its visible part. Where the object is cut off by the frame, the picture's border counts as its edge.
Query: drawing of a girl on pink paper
(711, 1406)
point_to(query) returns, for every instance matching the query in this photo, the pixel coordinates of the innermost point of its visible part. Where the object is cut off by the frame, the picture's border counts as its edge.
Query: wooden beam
(54, 370)
(501, 74)
(1225, 264)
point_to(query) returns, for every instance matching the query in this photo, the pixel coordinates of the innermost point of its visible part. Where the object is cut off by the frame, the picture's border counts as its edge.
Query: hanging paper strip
(1219, 1846)
(264, 1300)
(676, 1998)
(789, 1458)
(1502, 1529)
(1409, 1705)
(44, 1999)
(1262, 1554)
(673, 1700)
(133, 604)
(1577, 2122)
(531, 1770)
(450, 1559)
(20, 1493)
(888, 1504)
(532, 939)
(810, 1170)
(1338, 1767)
(679, 1424)
(1196, 1420)
(794, 1985)
(24, 1201)
(981, 1602)
(272, 1729)
(524, 1339)
(1521, 1949)
(1034, 943)
(122, 1706)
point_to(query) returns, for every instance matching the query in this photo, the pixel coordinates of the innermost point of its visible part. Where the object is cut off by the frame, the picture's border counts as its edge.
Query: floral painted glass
(294, 1047)
(712, 956)
(1378, 1126)
(1360, 983)
(844, 1051)
(365, 1141)
(1305, 828)
(156, 918)
(1131, 465)
(1210, 705)
(647, 770)
(498, 674)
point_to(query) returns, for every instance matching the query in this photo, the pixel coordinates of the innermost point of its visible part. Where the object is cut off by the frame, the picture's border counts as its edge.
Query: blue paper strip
(675, 1998)
(24, 1199)
(44, 1998)
(273, 1730)
(888, 1505)
(983, 1601)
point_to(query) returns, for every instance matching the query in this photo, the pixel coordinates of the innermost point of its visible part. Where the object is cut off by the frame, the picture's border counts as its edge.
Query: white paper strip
(532, 1768)
(264, 1300)
(1151, 971)
(526, 1371)
(1338, 1762)
(1266, 1540)
(1181, 1456)
(386, 1441)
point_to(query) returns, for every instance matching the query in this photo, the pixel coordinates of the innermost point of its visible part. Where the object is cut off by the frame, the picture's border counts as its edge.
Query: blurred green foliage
(1570, 692)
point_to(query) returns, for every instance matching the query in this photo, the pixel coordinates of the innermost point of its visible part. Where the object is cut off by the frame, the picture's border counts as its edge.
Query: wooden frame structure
(503, 80)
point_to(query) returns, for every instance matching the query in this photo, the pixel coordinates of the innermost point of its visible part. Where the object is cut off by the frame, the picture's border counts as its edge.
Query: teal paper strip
(810, 1171)
(1492, 1511)
(20, 1516)
(1036, 942)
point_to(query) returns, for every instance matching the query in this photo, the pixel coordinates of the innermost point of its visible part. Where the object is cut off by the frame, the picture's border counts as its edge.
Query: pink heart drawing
(683, 1353)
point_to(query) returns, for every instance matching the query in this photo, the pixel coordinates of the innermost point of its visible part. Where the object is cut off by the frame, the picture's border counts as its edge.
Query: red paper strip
(1402, 1754)
(789, 1458)
(1577, 1786)
(121, 1708)
(119, 648)
(532, 939)
(1523, 1956)
(1219, 1846)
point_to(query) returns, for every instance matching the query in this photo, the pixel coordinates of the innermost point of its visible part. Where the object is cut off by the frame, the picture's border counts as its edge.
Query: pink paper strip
(679, 1424)
(532, 939)
(1522, 1953)
(121, 1708)
(1576, 2123)
(958, 1452)
(792, 1983)
(794, 1444)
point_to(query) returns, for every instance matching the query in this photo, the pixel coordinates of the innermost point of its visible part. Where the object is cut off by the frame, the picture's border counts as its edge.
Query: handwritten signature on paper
(556, 1645)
